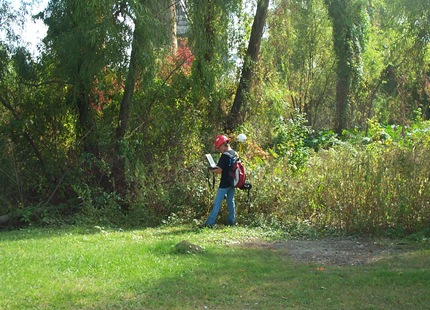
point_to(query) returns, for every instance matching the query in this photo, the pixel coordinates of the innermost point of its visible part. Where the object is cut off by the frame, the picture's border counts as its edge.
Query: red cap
(220, 140)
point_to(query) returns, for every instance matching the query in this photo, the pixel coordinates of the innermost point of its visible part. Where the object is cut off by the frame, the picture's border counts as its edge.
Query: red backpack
(237, 170)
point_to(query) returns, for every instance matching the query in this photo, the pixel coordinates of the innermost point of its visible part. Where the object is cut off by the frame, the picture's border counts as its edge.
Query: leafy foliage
(349, 31)
(289, 139)
(299, 47)
(357, 187)
(109, 123)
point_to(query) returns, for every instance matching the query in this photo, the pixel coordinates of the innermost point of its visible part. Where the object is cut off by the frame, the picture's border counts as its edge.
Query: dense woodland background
(110, 121)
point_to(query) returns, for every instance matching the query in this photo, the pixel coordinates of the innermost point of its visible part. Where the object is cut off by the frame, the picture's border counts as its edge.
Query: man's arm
(216, 170)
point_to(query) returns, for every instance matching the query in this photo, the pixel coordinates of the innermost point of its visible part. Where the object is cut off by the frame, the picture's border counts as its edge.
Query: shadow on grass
(150, 275)
(45, 233)
(177, 231)
(260, 279)
(30, 233)
(216, 279)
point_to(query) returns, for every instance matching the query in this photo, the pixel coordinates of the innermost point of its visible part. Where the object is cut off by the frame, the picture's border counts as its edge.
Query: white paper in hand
(210, 160)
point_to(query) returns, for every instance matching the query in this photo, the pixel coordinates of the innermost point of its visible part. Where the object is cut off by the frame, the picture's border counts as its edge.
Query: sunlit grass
(96, 268)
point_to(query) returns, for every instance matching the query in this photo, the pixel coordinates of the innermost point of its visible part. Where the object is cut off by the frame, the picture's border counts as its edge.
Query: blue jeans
(229, 191)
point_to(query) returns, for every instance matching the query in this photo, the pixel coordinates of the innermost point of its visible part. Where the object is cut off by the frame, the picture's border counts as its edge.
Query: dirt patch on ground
(333, 252)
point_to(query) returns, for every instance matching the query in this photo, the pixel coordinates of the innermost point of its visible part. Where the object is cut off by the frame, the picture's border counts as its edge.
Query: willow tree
(154, 25)
(80, 44)
(211, 36)
(349, 21)
(300, 57)
(418, 17)
(407, 22)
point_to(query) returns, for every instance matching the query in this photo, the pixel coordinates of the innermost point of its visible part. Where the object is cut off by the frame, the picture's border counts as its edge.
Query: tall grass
(377, 187)
(355, 188)
(367, 185)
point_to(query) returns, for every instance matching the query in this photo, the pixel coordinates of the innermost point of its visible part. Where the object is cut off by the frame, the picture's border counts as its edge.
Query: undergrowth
(374, 185)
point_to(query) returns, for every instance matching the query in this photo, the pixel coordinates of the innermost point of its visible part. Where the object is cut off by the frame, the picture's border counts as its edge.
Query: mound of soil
(331, 251)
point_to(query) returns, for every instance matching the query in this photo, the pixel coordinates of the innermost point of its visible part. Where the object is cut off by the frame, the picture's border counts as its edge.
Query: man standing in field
(225, 187)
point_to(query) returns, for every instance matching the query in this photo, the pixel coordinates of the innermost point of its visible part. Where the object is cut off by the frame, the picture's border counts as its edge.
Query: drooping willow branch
(158, 91)
(25, 131)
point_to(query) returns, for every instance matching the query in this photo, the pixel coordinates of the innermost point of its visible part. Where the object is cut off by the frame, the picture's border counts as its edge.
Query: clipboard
(210, 160)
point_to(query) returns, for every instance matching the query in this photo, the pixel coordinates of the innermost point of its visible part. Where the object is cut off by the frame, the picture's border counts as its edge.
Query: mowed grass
(96, 268)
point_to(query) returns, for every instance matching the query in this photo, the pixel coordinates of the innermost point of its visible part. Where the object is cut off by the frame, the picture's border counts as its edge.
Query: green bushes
(373, 185)
(377, 183)
(162, 191)
(381, 186)
(289, 140)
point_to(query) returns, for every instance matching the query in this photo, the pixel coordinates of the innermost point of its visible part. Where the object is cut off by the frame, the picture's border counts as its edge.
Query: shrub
(289, 140)
(356, 188)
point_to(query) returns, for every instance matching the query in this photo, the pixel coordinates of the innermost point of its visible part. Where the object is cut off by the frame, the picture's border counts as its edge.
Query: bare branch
(41, 84)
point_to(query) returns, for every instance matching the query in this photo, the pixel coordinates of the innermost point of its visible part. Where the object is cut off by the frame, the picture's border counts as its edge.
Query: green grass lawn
(93, 268)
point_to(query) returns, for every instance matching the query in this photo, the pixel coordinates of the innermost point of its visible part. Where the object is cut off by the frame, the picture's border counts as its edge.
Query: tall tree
(299, 47)
(79, 42)
(173, 30)
(153, 27)
(412, 74)
(349, 28)
(396, 62)
(238, 111)
(210, 26)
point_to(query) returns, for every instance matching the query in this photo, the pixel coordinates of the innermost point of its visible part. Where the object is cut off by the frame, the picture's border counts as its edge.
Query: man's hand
(215, 169)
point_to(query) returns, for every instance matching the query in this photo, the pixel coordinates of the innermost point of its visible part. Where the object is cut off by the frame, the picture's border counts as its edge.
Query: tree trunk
(172, 11)
(342, 91)
(124, 113)
(240, 105)
(348, 41)
(86, 120)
